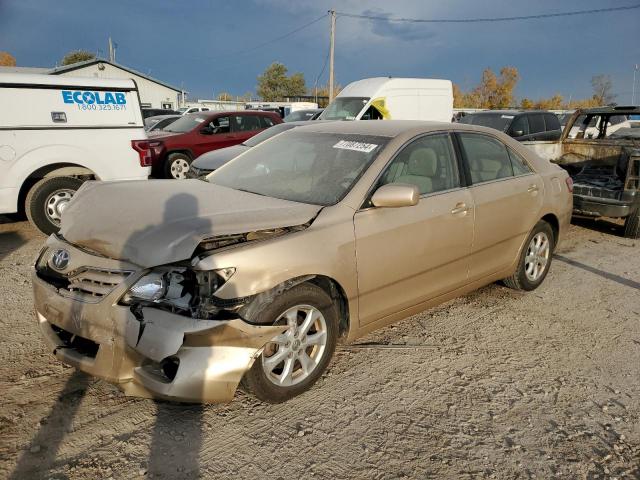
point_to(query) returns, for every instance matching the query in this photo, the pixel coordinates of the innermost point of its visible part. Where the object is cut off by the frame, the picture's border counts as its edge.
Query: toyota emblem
(60, 259)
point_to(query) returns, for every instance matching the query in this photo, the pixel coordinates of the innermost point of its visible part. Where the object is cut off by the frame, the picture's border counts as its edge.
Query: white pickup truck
(56, 132)
(600, 148)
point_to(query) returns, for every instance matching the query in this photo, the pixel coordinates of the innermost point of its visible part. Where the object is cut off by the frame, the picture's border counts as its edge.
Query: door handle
(459, 208)
(533, 188)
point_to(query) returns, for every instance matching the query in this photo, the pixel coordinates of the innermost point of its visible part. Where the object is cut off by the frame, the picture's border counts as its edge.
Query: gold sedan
(318, 235)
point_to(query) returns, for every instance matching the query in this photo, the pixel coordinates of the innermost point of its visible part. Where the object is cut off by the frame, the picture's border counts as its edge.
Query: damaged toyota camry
(183, 290)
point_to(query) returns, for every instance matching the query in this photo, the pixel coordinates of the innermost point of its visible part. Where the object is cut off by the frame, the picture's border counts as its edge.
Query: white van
(388, 98)
(56, 132)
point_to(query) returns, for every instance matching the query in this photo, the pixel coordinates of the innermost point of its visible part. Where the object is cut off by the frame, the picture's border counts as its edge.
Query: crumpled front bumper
(211, 355)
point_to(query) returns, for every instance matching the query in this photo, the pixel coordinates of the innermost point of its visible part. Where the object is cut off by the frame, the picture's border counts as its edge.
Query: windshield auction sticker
(357, 146)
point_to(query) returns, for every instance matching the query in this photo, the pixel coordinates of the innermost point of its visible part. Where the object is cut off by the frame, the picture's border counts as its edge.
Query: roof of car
(620, 109)
(383, 128)
(508, 112)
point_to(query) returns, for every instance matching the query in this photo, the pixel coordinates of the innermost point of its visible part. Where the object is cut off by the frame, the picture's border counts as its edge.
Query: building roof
(88, 63)
(79, 65)
(24, 70)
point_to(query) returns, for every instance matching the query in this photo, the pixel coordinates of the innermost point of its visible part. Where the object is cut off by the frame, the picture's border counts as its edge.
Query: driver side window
(429, 163)
(220, 125)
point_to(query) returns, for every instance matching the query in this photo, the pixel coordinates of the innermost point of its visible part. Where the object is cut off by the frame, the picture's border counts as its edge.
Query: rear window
(551, 122)
(536, 124)
(499, 121)
(186, 123)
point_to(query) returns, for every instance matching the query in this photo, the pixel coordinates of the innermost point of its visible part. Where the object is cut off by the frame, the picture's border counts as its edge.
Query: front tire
(177, 166)
(294, 360)
(46, 201)
(632, 225)
(535, 259)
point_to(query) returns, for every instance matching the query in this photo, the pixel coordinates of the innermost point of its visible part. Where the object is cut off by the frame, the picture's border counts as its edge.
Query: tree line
(497, 91)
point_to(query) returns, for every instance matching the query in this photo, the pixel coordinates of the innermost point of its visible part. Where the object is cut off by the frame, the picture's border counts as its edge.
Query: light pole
(633, 90)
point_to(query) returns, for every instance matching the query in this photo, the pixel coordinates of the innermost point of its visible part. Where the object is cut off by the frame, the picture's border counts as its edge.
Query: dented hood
(153, 222)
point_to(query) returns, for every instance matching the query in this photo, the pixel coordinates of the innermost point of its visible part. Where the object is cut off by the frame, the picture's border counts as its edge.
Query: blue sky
(207, 46)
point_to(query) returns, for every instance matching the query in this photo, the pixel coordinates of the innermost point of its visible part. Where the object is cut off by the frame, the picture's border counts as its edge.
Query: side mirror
(395, 195)
(517, 133)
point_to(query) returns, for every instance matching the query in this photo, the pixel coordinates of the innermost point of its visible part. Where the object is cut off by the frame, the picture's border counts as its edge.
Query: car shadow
(627, 282)
(9, 242)
(40, 455)
(601, 225)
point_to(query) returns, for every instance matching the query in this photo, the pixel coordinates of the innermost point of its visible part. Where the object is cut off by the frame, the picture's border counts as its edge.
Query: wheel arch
(58, 169)
(553, 221)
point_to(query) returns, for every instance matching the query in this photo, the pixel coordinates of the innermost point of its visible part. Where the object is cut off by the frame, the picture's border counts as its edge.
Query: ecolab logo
(89, 98)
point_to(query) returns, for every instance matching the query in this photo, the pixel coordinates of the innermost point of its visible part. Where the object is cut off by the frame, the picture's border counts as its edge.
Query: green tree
(77, 56)
(274, 84)
(7, 60)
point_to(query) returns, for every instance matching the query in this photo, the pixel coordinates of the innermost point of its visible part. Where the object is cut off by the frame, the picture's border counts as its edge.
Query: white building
(153, 92)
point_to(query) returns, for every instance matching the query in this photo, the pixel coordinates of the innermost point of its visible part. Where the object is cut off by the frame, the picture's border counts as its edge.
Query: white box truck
(57, 132)
(388, 98)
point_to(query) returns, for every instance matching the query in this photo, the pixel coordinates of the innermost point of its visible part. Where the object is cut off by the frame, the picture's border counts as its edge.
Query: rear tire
(46, 201)
(535, 259)
(284, 376)
(632, 225)
(177, 165)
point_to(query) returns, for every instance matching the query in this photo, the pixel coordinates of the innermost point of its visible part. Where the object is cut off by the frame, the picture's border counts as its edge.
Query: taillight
(569, 181)
(147, 150)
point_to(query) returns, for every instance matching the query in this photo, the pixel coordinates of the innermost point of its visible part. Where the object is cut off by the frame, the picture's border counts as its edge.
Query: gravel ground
(496, 384)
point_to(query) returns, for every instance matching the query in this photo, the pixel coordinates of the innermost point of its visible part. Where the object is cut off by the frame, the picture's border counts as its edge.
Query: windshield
(344, 108)
(267, 134)
(185, 123)
(306, 167)
(499, 121)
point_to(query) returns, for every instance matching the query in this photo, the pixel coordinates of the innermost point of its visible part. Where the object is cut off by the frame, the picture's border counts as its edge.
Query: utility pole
(633, 87)
(112, 52)
(331, 49)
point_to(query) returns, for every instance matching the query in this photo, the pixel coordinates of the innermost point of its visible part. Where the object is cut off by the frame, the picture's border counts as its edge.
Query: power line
(277, 39)
(496, 19)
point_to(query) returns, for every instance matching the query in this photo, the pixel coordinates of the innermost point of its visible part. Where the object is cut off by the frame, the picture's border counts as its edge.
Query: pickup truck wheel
(632, 225)
(294, 360)
(535, 259)
(46, 201)
(177, 165)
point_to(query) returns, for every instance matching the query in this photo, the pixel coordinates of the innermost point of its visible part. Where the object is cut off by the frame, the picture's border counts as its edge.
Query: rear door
(507, 195)
(245, 126)
(411, 254)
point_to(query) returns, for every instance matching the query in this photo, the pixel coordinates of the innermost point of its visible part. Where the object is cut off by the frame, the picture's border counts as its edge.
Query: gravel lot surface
(496, 384)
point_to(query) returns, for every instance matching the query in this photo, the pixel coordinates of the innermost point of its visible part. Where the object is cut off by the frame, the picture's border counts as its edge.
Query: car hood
(216, 158)
(154, 222)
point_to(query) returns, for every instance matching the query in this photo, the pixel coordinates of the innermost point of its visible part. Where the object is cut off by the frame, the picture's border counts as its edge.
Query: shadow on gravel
(40, 455)
(176, 441)
(599, 225)
(9, 242)
(609, 276)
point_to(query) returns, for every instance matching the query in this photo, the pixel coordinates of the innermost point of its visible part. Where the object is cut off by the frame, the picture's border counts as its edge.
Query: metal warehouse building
(153, 93)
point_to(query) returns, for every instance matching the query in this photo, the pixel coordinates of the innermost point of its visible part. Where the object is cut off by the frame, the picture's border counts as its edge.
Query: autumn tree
(274, 84)
(77, 56)
(602, 89)
(492, 92)
(7, 60)
(225, 97)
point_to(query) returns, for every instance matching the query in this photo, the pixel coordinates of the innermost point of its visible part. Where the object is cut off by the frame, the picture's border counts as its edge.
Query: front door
(411, 254)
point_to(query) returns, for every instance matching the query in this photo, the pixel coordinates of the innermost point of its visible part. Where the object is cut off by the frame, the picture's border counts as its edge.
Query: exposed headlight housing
(152, 287)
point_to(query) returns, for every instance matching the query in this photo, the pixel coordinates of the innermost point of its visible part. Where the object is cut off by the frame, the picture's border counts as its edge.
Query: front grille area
(86, 283)
(95, 283)
(596, 191)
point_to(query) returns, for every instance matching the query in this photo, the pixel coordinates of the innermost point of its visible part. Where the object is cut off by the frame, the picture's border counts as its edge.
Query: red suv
(170, 152)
